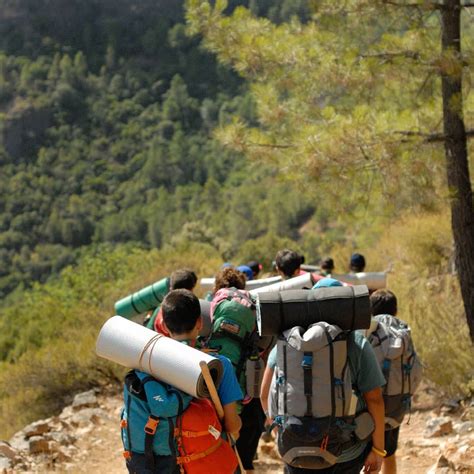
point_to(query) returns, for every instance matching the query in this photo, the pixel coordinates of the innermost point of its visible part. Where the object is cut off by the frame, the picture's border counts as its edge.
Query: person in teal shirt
(368, 379)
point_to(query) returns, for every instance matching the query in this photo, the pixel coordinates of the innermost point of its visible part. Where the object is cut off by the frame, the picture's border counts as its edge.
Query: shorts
(253, 424)
(391, 441)
(354, 466)
(137, 464)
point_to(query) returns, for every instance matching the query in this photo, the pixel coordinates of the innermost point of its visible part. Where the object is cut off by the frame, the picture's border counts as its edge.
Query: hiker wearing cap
(288, 263)
(352, 442)
(164, 429)
(357, 263)
(256, 268)
(246, 270)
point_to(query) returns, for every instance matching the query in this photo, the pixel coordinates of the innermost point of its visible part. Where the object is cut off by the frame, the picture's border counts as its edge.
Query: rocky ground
(85, 437)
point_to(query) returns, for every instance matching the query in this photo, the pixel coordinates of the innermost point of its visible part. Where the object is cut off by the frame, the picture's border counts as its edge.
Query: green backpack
(233, 332)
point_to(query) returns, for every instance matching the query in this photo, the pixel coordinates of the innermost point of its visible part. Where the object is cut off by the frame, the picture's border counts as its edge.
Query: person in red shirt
(179, 279)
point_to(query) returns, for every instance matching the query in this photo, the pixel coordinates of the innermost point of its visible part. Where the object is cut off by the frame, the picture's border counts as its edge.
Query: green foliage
(47, 334)
(342, 100)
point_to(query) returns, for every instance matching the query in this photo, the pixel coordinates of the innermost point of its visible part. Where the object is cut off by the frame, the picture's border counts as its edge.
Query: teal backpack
(144, 432)
(233, 332)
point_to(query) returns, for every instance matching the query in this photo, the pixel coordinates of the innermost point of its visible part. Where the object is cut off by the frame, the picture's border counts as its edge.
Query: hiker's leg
(138, 464)
(253, 419)
(354, 466)
(389, 465)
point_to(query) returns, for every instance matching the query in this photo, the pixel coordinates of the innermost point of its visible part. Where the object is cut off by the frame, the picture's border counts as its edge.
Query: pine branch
(389, 55)
(426, 5)
(430, 137)
(269, 145)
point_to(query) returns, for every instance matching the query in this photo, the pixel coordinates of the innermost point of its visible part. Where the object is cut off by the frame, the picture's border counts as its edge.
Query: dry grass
(420, 249)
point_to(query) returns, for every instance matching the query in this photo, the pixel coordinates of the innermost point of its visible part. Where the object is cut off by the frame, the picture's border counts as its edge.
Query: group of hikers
(333, 398)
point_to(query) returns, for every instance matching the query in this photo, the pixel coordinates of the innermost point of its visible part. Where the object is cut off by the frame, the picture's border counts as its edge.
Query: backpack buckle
(151, 425)
(307, 361)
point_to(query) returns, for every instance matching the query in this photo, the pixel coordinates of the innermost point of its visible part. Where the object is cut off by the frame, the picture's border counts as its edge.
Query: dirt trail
(100, 450)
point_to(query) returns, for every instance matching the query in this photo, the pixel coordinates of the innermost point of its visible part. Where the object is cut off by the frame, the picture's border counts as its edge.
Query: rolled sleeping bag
(345, 306)
(208, 283)
(133, 345)
(254, 284)
(206, 318)
(373, 280)
(146, 299)
(299, 282)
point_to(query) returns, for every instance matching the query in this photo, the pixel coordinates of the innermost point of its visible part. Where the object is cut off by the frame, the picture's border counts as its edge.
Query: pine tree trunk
(462, 211)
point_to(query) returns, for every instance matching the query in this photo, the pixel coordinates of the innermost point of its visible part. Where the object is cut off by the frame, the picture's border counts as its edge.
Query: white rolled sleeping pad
(132, 345)
(208, 283)
(295, 283)
(373, 280)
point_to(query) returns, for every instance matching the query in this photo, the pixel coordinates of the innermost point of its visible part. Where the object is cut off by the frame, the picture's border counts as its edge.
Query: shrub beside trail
(48, 334)
(419, 249)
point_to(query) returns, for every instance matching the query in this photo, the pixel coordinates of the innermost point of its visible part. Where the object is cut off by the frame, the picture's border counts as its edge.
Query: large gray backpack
(311, 398)
(402, 369)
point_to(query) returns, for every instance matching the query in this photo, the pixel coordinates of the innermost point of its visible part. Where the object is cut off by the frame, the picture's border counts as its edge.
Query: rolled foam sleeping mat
(133, 345)
(146, 299)
(310, 268)
(206, 318)
(373, 280)
(299, 282)
(345, 306)
(208, 283)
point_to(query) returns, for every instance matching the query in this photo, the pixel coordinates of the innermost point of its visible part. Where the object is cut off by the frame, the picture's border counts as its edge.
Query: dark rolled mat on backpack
(206, 317)
(345, 306)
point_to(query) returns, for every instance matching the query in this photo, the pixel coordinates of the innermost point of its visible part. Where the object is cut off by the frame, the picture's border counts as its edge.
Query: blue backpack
(149, 416)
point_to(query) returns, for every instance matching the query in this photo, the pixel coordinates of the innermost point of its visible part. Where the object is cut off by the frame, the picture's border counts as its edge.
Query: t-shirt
(365, 373)
(158, 325)
(229, 389)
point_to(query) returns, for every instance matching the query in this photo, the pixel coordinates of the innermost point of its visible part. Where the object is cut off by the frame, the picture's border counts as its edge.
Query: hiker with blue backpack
(393, 346)
(159, 422)
(322, 391)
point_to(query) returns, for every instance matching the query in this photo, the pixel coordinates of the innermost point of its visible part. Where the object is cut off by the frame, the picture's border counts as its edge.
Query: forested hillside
(129, 148)
(106, 117)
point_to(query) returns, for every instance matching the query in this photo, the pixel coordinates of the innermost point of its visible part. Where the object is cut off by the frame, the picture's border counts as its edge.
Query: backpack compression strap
(234, 293)
(150, 430)
(194, 457)
(307, 365)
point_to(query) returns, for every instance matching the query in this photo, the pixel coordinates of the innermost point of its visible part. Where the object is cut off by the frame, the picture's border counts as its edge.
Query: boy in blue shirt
(155, 400)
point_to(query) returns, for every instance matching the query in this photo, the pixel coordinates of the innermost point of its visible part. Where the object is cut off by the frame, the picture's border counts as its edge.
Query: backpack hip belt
(194, 457)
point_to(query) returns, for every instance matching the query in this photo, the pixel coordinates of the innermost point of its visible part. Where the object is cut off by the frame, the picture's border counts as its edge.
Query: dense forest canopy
(130, 148)
(106, 117)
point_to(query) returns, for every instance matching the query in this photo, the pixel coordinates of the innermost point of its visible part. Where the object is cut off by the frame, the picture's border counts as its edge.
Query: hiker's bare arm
(375, 406)
(265, 388)
(232, 421)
